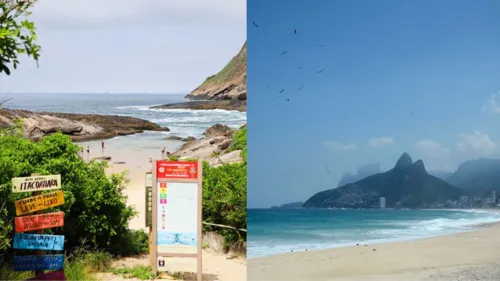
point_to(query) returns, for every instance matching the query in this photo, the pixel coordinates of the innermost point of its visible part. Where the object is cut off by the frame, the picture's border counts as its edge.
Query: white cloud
(493, 104)
(381, 141)
(338, 146)
(431, 148)
(64, 13)
(476, 141)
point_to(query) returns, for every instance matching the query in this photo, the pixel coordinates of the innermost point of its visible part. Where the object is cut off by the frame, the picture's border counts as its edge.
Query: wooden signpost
(36, 183)
(48, 262)
(177, 213)
(38, 242)
(38, 222)
(40, 202)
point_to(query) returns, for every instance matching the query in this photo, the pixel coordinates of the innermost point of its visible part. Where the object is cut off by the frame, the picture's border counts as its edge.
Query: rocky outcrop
(239, 105)
(229, 84)
(79, 127)
(214, 147)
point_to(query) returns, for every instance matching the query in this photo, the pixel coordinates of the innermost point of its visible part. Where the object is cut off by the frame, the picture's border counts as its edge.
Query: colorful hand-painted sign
(40, 202)
(29, 263)
(37, 222)
(52, 276)
(38, 242)
(36, 183)
(149, 199)
(176, 170)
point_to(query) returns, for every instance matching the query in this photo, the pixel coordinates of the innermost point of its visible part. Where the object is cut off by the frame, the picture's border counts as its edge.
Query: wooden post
(39, 252)
(151, 246)
(199, 256)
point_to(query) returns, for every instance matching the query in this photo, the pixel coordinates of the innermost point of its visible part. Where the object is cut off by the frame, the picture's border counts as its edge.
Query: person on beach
(163, 153)
(88, 153)
(102, 146)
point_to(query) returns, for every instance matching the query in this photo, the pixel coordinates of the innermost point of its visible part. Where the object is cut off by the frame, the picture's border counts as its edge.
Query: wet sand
(462, 256)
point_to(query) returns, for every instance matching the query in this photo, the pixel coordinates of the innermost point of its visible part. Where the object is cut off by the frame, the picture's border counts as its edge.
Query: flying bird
(295, 31)
(300, 67)
(267, 87)
(284, 52)
(281, 91)
(254, 24)
(321, 70)
(331, 174)
(301, 87)
(287, 99)
(320, 45)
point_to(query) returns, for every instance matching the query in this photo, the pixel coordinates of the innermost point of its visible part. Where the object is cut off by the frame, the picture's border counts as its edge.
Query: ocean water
(274, 231)
(136, 148)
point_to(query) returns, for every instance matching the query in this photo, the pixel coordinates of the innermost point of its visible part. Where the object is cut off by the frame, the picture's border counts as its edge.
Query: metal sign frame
(198, 254)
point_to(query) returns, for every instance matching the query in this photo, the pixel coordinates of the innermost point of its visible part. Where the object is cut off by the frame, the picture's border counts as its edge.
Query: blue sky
(399, 76)
(129, 46)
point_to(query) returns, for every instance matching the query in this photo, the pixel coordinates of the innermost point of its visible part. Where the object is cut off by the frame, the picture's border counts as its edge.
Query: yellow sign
(40, 202)
(36, 183)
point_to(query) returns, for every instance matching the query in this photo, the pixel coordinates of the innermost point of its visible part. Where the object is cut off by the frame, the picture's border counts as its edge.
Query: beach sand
(215, 267)
(463, 256)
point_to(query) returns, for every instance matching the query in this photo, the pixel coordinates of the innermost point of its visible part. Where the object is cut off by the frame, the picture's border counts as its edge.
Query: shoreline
(416, 259)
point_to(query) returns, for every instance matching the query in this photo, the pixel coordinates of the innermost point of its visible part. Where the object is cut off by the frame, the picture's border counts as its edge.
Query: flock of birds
(281, 92)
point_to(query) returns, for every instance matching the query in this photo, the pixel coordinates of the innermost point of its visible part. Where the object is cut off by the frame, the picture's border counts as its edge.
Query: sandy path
(427, 259)
(215, 267)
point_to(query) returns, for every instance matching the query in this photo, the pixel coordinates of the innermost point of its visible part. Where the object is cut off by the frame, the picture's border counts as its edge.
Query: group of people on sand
(84, 153)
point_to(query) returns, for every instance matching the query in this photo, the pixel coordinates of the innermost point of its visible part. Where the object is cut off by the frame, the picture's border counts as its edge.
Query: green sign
(149, 200)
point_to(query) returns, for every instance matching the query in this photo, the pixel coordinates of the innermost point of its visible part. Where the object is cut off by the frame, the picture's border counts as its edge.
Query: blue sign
(38, 242)
(29, 263)
(165, 238)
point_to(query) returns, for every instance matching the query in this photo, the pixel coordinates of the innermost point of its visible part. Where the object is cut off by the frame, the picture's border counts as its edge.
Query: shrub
(95, 206)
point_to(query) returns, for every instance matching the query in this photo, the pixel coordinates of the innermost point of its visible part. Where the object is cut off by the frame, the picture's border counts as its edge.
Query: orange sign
(176, 170)
(37, 222)
(38, 203)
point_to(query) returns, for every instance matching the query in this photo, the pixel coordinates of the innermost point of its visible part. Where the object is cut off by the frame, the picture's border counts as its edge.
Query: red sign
(176, 170)
(53, 275)
(36, 222)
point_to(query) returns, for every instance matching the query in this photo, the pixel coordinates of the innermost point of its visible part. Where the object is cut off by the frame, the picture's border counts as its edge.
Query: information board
(149, 199)
(36, 183)
(177, 203)
(177, 217)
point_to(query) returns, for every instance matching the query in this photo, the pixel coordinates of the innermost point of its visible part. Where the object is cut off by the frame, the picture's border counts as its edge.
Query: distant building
(382, 202)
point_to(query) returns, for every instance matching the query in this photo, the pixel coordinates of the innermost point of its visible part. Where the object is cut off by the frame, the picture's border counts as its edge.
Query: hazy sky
(129, 46)
(415, 76)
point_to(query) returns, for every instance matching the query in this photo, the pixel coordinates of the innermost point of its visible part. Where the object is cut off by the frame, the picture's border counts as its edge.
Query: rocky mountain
(288, 206)
(441, 174)
(78, 126)
(363, 172)
(406, 185)
(229, 84)
(477, 176)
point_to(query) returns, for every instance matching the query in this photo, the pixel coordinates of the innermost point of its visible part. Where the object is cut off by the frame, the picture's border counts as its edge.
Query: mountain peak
(419, 166)
(404, 161)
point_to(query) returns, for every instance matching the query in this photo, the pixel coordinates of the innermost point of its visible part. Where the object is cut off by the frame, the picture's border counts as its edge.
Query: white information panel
(177, 217)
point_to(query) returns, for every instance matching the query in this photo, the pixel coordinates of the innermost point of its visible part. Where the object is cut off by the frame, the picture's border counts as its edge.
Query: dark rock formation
(79, 127)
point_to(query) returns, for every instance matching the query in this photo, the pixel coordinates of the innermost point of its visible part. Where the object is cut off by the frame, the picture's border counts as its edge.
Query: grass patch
(139, 271)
